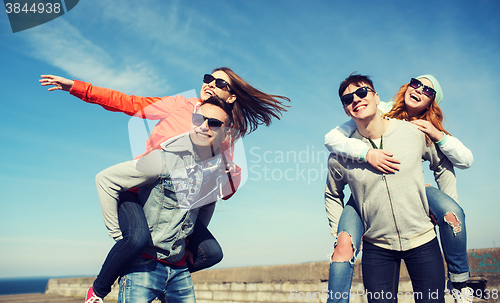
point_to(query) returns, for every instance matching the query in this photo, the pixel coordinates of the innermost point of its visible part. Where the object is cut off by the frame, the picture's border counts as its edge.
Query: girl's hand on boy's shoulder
(429, 129)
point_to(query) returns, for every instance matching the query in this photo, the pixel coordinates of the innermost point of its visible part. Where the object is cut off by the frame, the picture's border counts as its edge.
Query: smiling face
(416, 102)
(361, 108)
(209, 89)
(205, 138)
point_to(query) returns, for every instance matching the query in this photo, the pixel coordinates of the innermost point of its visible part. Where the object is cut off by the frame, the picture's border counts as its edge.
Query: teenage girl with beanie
(250, 108)
(417, 102)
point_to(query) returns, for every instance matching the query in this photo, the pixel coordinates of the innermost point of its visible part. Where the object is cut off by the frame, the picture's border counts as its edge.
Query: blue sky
(54, 144)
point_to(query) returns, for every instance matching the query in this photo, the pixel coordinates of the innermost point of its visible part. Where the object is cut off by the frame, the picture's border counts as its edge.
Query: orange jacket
(173, 113)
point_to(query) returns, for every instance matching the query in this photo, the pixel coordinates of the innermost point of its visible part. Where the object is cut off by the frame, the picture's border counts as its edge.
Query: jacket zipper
(392, 210)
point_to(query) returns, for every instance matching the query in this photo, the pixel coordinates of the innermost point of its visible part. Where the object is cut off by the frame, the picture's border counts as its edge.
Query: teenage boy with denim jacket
(178, 183)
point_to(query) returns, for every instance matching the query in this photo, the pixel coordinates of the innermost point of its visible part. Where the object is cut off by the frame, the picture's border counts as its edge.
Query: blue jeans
(454, 244)
(136, 237)
(425, 266)
(340, 276)
(134, 227)
(205, 248)
(147, 279)
(453, 239)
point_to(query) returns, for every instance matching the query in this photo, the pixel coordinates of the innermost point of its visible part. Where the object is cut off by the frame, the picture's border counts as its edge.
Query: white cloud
(63, 46)
(171, 30)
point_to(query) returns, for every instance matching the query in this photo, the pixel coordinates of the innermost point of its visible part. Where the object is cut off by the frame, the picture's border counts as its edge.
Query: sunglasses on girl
(360, 92)
(428, 91)
(220, 83)
(213, 124)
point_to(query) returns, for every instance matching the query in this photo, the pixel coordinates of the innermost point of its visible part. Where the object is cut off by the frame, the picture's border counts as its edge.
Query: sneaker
(467, 294)
(92, 297)
(464, 296)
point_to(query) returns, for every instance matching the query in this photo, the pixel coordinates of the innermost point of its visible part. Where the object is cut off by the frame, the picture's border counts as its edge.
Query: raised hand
(56, 82)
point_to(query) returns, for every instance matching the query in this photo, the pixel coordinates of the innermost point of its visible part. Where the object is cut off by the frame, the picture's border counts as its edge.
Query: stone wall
(76, 287)
(306, 282)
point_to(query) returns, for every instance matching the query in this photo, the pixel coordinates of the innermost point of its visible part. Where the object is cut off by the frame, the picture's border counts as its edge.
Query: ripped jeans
(453, 242)
(453, 237)
(340, 276)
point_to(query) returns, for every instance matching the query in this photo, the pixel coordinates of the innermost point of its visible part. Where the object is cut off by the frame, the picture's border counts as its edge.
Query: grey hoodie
(393, 207)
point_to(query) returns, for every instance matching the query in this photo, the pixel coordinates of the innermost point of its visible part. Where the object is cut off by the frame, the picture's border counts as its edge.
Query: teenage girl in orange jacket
(251, 108)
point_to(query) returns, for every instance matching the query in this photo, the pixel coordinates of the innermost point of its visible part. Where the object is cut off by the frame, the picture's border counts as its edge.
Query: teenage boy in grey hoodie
(393, 207)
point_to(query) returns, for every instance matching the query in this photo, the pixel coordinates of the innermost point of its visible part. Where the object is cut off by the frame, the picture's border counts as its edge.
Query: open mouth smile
(415, 97)
(210, 92)
(203, 135)
(359, 107)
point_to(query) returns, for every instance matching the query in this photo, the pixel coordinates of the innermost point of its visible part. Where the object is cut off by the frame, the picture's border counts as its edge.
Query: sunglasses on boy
(213, 124)
(220, 83)
(360, 92)
(428, 91)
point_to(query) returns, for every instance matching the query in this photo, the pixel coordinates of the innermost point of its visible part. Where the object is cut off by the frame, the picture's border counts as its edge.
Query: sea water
(12, 286)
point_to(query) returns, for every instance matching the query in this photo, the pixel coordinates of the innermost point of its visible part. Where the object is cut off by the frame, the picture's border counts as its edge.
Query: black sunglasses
(220, 83)
(213, 124)
(360, 92)
(428, 91)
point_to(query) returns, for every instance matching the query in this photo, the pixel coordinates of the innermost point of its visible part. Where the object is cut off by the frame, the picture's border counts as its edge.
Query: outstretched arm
(113, 100)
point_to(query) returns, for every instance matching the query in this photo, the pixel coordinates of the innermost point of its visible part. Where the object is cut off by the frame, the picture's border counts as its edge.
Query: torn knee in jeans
(344, 248)
(452, 220)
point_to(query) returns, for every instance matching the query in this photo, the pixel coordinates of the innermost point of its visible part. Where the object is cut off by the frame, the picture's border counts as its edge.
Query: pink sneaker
(92, 297)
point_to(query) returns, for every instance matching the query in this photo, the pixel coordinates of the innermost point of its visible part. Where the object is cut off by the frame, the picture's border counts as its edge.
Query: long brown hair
(252, 106)
(433, 114)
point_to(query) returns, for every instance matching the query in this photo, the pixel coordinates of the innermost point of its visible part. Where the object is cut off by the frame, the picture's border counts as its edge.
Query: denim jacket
(172, 203)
